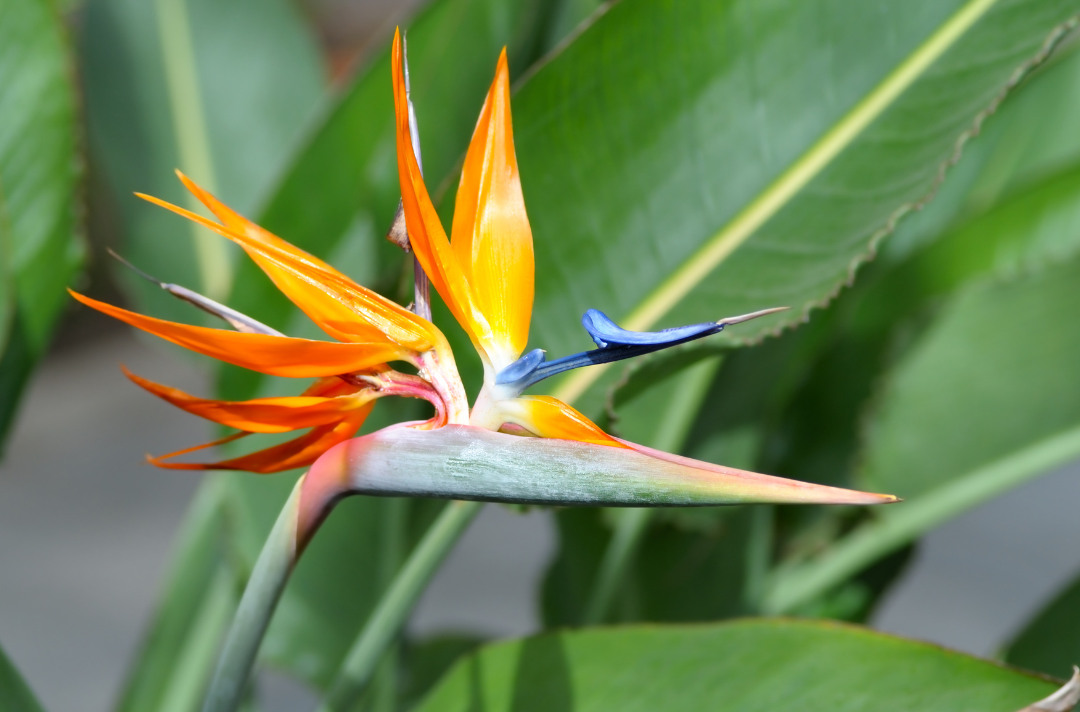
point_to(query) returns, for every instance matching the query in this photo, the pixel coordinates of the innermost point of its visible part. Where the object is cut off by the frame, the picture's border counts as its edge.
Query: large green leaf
(39, 171)
(1050, 641)
(220, 90)
(749, 666)
(1011, 207)
(683, 161)
(983, 401)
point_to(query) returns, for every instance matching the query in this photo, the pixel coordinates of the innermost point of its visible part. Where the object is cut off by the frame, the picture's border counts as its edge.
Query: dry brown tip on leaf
(398, 234)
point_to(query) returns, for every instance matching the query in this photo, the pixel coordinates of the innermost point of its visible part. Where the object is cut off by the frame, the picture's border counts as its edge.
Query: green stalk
(264, 588)
(192, 671)
(178, 640)
(384, 686)
(396, 604)
(687, 398)
(192, 139)
(793, 586)
(759, 554)
(629, 531)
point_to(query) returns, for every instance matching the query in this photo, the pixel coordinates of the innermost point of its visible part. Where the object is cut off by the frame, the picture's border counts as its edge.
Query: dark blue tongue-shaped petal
(605, 332)
(615, 344)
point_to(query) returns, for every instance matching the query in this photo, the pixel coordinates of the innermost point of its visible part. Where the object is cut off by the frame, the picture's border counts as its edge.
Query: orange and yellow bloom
(484, 271)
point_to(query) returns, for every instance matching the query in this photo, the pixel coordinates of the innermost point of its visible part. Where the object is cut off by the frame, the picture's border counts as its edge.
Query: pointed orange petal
(298, 452)
(260, 415)
(272, 355)
(331, 387)
(342, 308)
(426, 233)
(240, 225)
(551, 418)
(195, 448)
(491, 235)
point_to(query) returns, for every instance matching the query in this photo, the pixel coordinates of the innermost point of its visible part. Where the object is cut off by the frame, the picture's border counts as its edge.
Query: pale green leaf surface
(686, 161)
(748, 666)
(1029, 140)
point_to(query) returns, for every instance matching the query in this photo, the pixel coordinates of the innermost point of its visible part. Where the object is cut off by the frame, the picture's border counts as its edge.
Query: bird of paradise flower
(484, 273)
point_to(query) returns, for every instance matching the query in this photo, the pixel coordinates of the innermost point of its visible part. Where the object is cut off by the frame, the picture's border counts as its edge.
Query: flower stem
(629, 530)
(257, 605)
(395, 605)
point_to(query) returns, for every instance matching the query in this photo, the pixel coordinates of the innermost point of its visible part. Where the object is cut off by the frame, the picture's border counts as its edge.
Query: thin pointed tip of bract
(134, 269)
(728, 321)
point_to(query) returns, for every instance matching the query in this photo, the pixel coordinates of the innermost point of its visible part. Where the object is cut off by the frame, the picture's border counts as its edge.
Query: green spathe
(464, 462)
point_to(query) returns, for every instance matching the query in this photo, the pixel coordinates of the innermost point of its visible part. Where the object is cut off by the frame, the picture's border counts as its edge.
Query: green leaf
(994, 375)
(15, 694)
(40, 249)
(220, 90)
(748, 666)
(660, 150)
(425, 663)
(1050, 641)
(982, 402)
(1028, 140)
(176, 657)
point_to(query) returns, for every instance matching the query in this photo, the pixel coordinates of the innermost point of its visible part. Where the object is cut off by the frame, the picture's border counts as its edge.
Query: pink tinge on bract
(814, 492)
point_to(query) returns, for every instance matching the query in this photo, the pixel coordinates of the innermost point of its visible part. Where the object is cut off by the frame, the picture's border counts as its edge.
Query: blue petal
(521, 369)
(615, 344)
(605, 332)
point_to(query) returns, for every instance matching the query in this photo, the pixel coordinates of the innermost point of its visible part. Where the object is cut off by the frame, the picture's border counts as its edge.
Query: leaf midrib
(780, 192)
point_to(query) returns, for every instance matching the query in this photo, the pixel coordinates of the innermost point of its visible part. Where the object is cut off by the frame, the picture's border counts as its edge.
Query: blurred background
(88, 530)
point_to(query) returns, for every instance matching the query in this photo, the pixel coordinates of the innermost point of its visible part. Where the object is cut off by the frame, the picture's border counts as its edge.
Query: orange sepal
(426, 233)
(551, 418)
(239, 225)
(491, 235)
(298, 452)
(260, 415)
(342, 308)
(272, 355)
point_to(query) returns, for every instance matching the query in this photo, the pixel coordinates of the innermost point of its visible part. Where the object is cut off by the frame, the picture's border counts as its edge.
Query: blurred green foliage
(40, 169)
